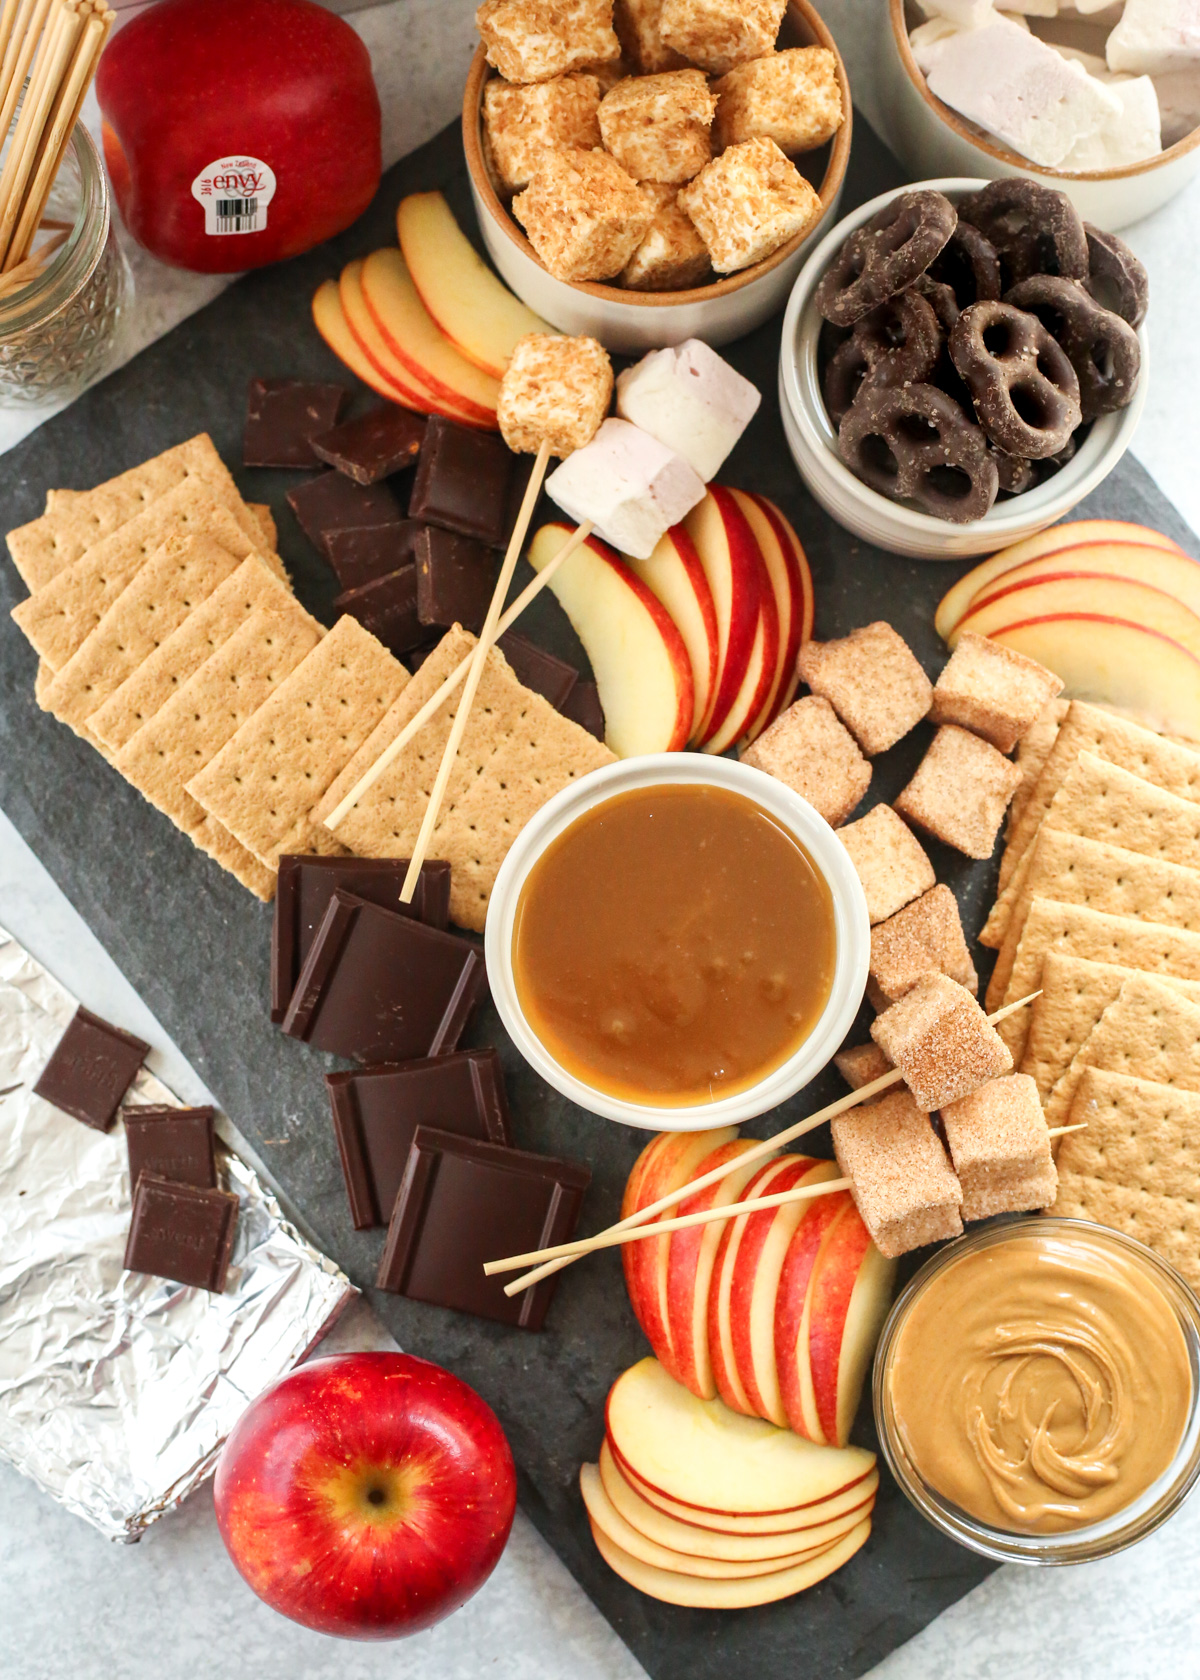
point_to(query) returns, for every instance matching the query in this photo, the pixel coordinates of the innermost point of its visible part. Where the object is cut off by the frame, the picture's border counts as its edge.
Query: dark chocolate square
(180, 1232)
(583, 707)
(172, 1143)
(455, 579)
(92, 1067)
(536, 669)
(463, 481)
(283, 415)
(463, 1202)
(387, 607)
(360, 554)
(304, 888)
(385, 441)
(376, 1114)
(378, 987)
(334, 502)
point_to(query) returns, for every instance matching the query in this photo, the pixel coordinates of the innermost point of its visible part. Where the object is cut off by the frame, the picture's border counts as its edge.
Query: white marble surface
(173, 1606)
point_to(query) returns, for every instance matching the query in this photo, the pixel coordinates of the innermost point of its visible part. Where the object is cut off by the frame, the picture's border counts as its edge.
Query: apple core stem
(438, 698)
(768, 1146)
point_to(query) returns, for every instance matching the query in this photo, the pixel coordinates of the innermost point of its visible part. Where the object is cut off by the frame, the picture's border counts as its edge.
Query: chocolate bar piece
(92, 1067)
(173, 1143)
(282, 417)
(378, 987)
(537, 669)
(180, 1232)
(305, 886)
(385, 441)
(360, 554)
(583, 707)
(463, 481)
(387, 608)
(455, 579)
(463, 1202)
(334, 502)
(376, 1114)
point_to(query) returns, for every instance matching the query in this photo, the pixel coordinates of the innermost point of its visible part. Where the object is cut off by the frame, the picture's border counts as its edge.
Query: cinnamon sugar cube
(872, 680)
(520, 123)
(861, 1064)
(924, 938)
(889, 861)
(1000, 1146)
(961, 791)
(672, 256)
(807, 748)
(903, 1185)
(535, 40)
(637, 23)
(721, 33)
(792, 97)
(554, 388)
(749, 202)
(584, 215)
(657, 126)
(993, 690)
(942, 1042)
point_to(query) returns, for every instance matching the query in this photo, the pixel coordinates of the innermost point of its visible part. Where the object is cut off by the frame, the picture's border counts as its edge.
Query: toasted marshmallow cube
(672, 256)
(631, 487)
(533, 40)
(691, 400)
(520, 123)
(555, 390)
(1155, 37)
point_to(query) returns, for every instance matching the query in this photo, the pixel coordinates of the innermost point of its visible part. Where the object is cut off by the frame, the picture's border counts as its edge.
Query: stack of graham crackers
(170, 639)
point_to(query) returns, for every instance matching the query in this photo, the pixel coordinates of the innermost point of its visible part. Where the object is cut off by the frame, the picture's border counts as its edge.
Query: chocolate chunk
(583, 707)
(463, 481)
(180, 1232)
(92, 1067)
(379, 987)
(282, 417)
(388, 609)
(334, 502)
(173, 1143)
(376, 1114)
(455, 579)
(360, 554)
(306, 885)
(535, 668)
(384, 441)
(463, 1202)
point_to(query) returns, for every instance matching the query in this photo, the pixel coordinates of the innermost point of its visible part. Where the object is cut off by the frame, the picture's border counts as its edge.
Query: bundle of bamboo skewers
(50, 50)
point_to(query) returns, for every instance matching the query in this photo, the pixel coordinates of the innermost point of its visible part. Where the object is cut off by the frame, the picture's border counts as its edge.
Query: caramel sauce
(674, 945)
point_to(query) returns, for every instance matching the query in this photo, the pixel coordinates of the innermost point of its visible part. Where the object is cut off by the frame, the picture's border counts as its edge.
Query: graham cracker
(265, 520)
(1076, 870)
(1137, 1164)
(1148, 1032)
(516, 753)
(266, 780)
(1033, 749)
(76, 520)
(176, 579)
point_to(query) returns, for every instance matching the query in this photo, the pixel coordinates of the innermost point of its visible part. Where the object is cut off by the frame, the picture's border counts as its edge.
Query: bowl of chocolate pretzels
(962, 362)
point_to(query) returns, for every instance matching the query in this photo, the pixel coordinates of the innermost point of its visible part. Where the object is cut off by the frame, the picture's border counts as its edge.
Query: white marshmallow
(963, 14)
(927, 40)
(691, 400)
(1021, 90)
(629, 485)
(1019, 18)
(1178, 103)
(1088, 8)
(1091, 62)
(1133, 136)
(1033, 8)
(1156, 36)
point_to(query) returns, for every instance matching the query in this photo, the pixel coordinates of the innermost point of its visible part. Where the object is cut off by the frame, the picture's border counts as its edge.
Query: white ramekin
(813, 441)
(851, 929)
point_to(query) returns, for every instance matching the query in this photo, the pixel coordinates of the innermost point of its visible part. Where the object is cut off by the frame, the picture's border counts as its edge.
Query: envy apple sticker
(234, 193)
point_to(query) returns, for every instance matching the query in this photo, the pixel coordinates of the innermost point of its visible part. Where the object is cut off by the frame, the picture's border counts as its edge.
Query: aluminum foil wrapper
(118, 1389)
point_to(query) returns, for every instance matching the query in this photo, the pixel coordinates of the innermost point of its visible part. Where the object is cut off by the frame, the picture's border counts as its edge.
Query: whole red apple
(238, 132)
(366, 1494)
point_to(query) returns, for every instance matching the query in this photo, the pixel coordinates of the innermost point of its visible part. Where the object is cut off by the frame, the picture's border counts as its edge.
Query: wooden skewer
(26, 33)
(54, 55)
(32, 266)
(768, 1146)
(79, 79)
(438, 698)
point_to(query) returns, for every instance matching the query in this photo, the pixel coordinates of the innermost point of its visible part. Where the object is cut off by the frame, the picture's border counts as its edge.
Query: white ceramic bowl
(889, 525)
(629, 322)
(931, 139)
(851, 930)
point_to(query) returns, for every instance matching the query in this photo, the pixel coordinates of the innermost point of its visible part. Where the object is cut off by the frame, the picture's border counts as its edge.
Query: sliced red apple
(849, 1297)
(791, 1314)
(674, 573)
(858, 1499)
(638, 658)
(475, 310)
(735, 572)
(726, 1379)
(760, 672)
(1111, 597)
(803, 593)
(329, 318)
(379, 353)
(1177, 575)
(418, 343)
(789, 603)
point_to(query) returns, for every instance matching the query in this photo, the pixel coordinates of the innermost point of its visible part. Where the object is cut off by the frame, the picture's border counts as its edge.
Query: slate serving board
(195, 944)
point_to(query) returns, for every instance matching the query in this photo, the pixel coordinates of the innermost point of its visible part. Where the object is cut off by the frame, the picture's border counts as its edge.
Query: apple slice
(760, 672)
(726, 1376)
(674, 573)
(858, 1499)
(670, 1587)
(789, 602)
(791, 1314)
(329, 318)
(415, 339)
(735, 571)
(804, 596)
(849, 1297)
(375, 347)
(475, 310)
(1177, 575)
(637, 655)
(1113, 598)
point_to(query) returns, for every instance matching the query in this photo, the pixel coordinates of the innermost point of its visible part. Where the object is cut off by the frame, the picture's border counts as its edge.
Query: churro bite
(631, 487)
(672, 256)
(691, 399)
(861, 1064)
(872, 680)
(992, 690)
(657, 126)
(902, 1183)
(961, 791)
(534, 40)
(1000, 1145)
(942, 1042)
(585, 216)
(556, 390)
(889, 860)
(637, 23)
(808, 748)
(791, 97)
(718, 34)
(926, 937)
(748, 202)
(520, 123)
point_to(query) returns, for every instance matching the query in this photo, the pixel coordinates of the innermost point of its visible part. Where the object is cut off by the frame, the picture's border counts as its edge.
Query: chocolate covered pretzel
(1025, 391)
(969, 265)
(1033, 229)
(1115, 277)
(898, 341)
(1103, 349)
(914, 443)
(885, 255)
